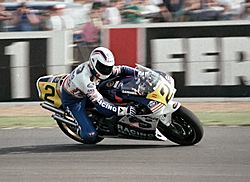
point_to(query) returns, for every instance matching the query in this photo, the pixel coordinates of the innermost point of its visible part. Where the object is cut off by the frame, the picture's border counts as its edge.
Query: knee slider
(91, 137)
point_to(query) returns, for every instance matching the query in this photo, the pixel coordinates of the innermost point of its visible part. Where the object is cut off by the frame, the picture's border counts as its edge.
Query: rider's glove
(116, 70)
(130, 110)
(143, 74)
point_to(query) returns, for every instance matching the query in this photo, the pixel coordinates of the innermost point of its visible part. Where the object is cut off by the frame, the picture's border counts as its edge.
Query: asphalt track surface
(47, 155)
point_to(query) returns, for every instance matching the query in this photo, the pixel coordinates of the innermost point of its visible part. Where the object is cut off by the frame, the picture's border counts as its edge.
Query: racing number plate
(162, 94)
(49, 93)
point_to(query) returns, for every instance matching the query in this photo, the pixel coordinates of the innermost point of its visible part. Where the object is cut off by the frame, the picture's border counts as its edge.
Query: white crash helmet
(101, 62)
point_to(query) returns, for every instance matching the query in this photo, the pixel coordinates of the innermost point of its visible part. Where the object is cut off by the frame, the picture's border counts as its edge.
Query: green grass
(28, 121)
(224, 118)
(207, 118)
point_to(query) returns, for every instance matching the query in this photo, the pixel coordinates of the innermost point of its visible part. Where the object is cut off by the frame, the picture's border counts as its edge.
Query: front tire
(185, 129)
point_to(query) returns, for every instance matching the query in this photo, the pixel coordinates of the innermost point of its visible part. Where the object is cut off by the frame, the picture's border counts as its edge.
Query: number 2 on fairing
(51, 93)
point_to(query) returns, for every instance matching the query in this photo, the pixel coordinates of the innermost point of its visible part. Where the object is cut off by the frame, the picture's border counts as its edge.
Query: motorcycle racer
(80, 86)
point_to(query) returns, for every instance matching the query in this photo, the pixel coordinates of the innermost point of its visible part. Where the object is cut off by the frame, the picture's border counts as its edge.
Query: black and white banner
(22, 61)
(206, 59)
(24, 57)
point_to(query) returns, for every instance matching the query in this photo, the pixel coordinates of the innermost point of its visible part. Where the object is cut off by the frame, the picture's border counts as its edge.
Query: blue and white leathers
(78, 87)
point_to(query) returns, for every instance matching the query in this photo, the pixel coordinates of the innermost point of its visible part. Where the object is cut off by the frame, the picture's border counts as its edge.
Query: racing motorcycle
(159, 116)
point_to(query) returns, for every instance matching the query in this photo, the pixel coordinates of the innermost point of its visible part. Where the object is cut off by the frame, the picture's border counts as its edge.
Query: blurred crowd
(115, 12)
(94, 14)
(24, 18)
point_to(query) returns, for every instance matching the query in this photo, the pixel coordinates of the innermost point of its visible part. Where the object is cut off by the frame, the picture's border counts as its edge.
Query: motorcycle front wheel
(185, 128)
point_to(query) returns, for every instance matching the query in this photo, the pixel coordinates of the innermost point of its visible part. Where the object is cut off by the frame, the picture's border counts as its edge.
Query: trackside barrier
(25, 56)
(206, 59)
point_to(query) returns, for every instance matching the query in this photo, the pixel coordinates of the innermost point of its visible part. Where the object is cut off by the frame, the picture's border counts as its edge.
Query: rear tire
(71, 132)
(185, 129)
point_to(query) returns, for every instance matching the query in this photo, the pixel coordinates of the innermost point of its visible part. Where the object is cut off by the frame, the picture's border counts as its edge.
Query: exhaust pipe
(60, 114)
(64, 120)
(52, 108)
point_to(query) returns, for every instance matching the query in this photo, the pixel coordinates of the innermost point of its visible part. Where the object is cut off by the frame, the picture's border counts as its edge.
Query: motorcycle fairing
(163, 93)
(145, 122)
(156, 107)
(151, 92)
(126, 127)
(49, 89)
(129, 131)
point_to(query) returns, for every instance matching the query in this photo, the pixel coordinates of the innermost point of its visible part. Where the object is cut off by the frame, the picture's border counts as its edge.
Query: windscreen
(142, 85)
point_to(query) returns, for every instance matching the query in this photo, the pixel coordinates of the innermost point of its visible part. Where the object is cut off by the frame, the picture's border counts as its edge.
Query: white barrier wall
(25, 56)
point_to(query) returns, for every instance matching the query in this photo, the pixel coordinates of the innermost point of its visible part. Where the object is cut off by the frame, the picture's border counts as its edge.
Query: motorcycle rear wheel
(70, 132)
(185, 129)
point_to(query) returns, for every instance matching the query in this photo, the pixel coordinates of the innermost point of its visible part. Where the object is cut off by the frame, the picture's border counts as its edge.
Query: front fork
(166, 117)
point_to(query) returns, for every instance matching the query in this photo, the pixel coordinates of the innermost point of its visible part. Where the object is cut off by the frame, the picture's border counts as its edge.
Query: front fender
(166, 118)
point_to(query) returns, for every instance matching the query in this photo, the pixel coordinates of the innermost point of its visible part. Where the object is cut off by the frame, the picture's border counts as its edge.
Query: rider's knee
(91, 137)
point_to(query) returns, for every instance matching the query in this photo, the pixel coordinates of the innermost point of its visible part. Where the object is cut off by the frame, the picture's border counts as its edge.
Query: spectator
(233, 9)
(4, 17)
(246, 14)
(150, 7)
(89, 34)
(149, 10)
(25, 19)
(163, 15)
(191, 9)
(91, 30)
(120, 4)
(112, 14)
(132, 12)
(204, 10)
(88, 5)
(175, 7)
(86, 8)
(156, 2)
(57, 20)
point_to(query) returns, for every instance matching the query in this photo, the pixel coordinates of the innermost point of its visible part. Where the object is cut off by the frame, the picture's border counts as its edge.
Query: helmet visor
(103, 69)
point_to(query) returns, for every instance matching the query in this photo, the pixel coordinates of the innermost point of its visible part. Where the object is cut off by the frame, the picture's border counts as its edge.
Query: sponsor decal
(210, 60)
(175, 105)
(91, 89)
(116, 85)
(129, 92)
(110, 84)
(156, 107)
(106, 105)
(91, 85)
(121, 111)
(154, 95)
(152, 104)
(134, 133)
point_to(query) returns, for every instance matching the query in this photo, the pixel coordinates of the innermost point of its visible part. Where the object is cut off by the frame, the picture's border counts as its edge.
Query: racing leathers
(79, 86)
